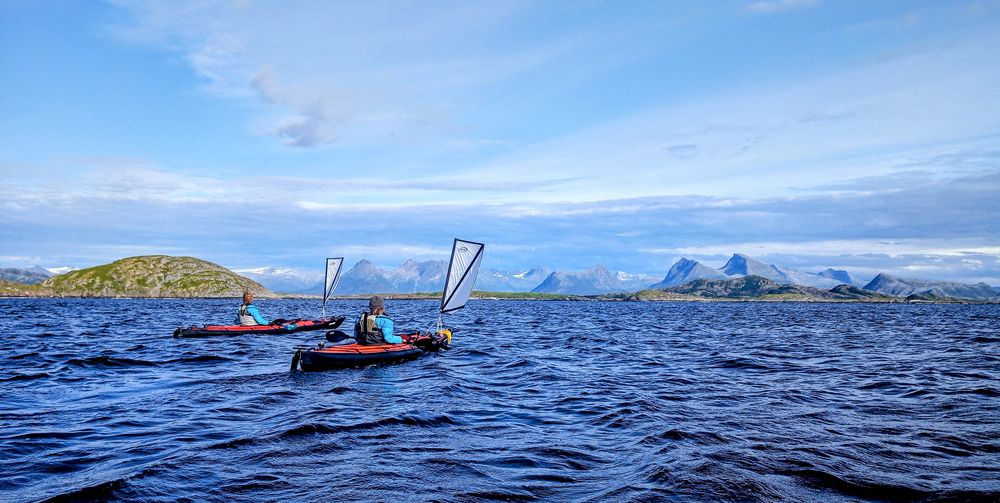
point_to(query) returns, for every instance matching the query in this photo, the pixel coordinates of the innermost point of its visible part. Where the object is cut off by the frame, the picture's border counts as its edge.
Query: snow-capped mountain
(30, 276)
(364, 277)
(491, 280)
(742, 265)
(810, 279)
(594, 281)
(413, 277)
(55, 271)
(635, 282)
(429, 276)
(684, 271)
(891, 285)
(839, 275)
(286, 279)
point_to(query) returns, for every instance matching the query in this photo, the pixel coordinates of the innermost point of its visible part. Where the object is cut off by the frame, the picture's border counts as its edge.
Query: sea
(534, 401)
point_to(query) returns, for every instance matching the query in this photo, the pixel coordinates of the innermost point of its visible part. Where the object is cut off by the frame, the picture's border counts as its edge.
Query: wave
(842, 405)
(103, 491)
(883, 491)
(109, 361)
(310, 429)
(25, 377)
(323, 429)
(199, 359)
(673, 434)
(739, 363)
(496, 495)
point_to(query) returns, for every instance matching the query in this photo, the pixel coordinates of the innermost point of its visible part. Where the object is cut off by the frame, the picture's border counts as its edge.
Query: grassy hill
(153, 276)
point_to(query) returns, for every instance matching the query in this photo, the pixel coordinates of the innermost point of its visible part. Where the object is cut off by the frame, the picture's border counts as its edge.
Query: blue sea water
(549, 401)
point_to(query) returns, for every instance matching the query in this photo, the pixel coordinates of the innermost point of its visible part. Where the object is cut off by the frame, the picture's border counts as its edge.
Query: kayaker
(374, 327)
(249, 314)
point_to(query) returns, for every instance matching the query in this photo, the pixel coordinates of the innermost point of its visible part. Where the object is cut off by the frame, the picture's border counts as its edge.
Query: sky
(856, 135)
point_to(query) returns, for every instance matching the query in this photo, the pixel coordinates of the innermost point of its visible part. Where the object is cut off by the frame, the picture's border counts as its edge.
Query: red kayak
(285, 327)
(359, 355)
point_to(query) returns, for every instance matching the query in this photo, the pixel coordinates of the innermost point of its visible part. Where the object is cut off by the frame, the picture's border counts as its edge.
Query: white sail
(332, 277)
(462, 272)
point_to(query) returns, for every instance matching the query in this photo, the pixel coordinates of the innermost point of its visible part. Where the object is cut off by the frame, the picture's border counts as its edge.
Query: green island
(152, 276)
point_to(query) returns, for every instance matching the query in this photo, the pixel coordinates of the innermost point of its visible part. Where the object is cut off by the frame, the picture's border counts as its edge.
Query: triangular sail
(331, 278)
(462, 272)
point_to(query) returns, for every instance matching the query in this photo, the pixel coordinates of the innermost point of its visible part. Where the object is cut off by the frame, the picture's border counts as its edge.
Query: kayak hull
(290, 326)
(358, 355)
(355, 355)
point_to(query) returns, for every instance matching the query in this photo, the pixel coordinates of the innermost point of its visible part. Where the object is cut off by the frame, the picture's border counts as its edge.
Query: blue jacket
(252, 311)
(386, 325)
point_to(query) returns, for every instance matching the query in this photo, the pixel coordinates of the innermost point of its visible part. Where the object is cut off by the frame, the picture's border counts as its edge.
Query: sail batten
(462, 272)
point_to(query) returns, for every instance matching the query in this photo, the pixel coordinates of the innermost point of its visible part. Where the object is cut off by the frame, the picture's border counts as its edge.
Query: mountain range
(759, 288)
(30, 276)
(286, 279)
(891, 285)
(414, 277)
(428, 276)
(594, 281)
(740, 265)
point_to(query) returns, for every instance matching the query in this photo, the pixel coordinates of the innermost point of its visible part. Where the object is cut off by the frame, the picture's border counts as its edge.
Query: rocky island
(153, 276)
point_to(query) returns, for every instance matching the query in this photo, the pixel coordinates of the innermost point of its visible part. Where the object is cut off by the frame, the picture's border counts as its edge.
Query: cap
(376, 302)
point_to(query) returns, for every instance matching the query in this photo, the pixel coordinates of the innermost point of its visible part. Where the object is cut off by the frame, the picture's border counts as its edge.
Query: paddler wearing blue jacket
(374, 327)
(248, 314)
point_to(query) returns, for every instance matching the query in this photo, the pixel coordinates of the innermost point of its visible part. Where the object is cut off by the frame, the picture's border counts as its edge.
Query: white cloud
(340, 72)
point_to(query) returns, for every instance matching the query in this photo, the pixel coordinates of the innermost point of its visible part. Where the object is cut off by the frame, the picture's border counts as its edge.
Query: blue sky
(807, 133)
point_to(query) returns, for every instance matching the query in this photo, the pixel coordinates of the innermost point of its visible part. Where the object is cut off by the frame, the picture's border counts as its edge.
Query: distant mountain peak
(892, 285)
(743, 265)
(838, 275)
(594, 281)
(41, 270)
(25, 276)
(686, 270)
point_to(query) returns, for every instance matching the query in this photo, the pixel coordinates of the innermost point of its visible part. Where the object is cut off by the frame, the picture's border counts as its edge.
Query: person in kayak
(249, 315)
(374, 327)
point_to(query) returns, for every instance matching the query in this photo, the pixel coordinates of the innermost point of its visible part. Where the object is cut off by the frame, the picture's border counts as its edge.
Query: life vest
(246, 319)
(366, 331)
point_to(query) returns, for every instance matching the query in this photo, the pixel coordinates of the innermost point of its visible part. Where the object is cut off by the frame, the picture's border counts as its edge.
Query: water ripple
(544, 401)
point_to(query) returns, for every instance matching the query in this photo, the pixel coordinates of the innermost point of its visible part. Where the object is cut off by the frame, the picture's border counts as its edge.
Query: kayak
(362, 355)
(277, 327)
